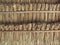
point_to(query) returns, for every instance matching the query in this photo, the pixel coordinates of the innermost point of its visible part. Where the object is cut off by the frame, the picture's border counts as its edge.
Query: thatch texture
(29, 22)
(29, 7)
(29, 38)
(29, 1)
(14, 18)
(31, 27)
(23, 15)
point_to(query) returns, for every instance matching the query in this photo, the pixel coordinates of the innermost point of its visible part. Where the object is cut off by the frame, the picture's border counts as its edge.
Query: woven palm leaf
(29, 22)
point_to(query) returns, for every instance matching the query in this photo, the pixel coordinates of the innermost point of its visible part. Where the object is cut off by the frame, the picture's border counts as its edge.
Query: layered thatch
(29, 1)
(29, 22)
(29, 38)
(29, 7)
(30, 27)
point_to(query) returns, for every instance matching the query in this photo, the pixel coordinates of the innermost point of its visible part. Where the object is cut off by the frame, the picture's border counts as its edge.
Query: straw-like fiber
(29, 1)
(14, 18)
(30, 27)
(29, 22)
(29, 6)
(29, 38)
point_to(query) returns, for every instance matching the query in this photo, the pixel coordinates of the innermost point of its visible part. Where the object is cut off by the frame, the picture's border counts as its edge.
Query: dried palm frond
(29, 38)
(30, 27)
(30, 7)
(29, 1)
(10, 18)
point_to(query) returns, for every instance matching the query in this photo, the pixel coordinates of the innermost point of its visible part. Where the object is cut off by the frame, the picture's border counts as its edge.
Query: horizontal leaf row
(30, 7)
(13, 18)
(30, 27)
(25, 1)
